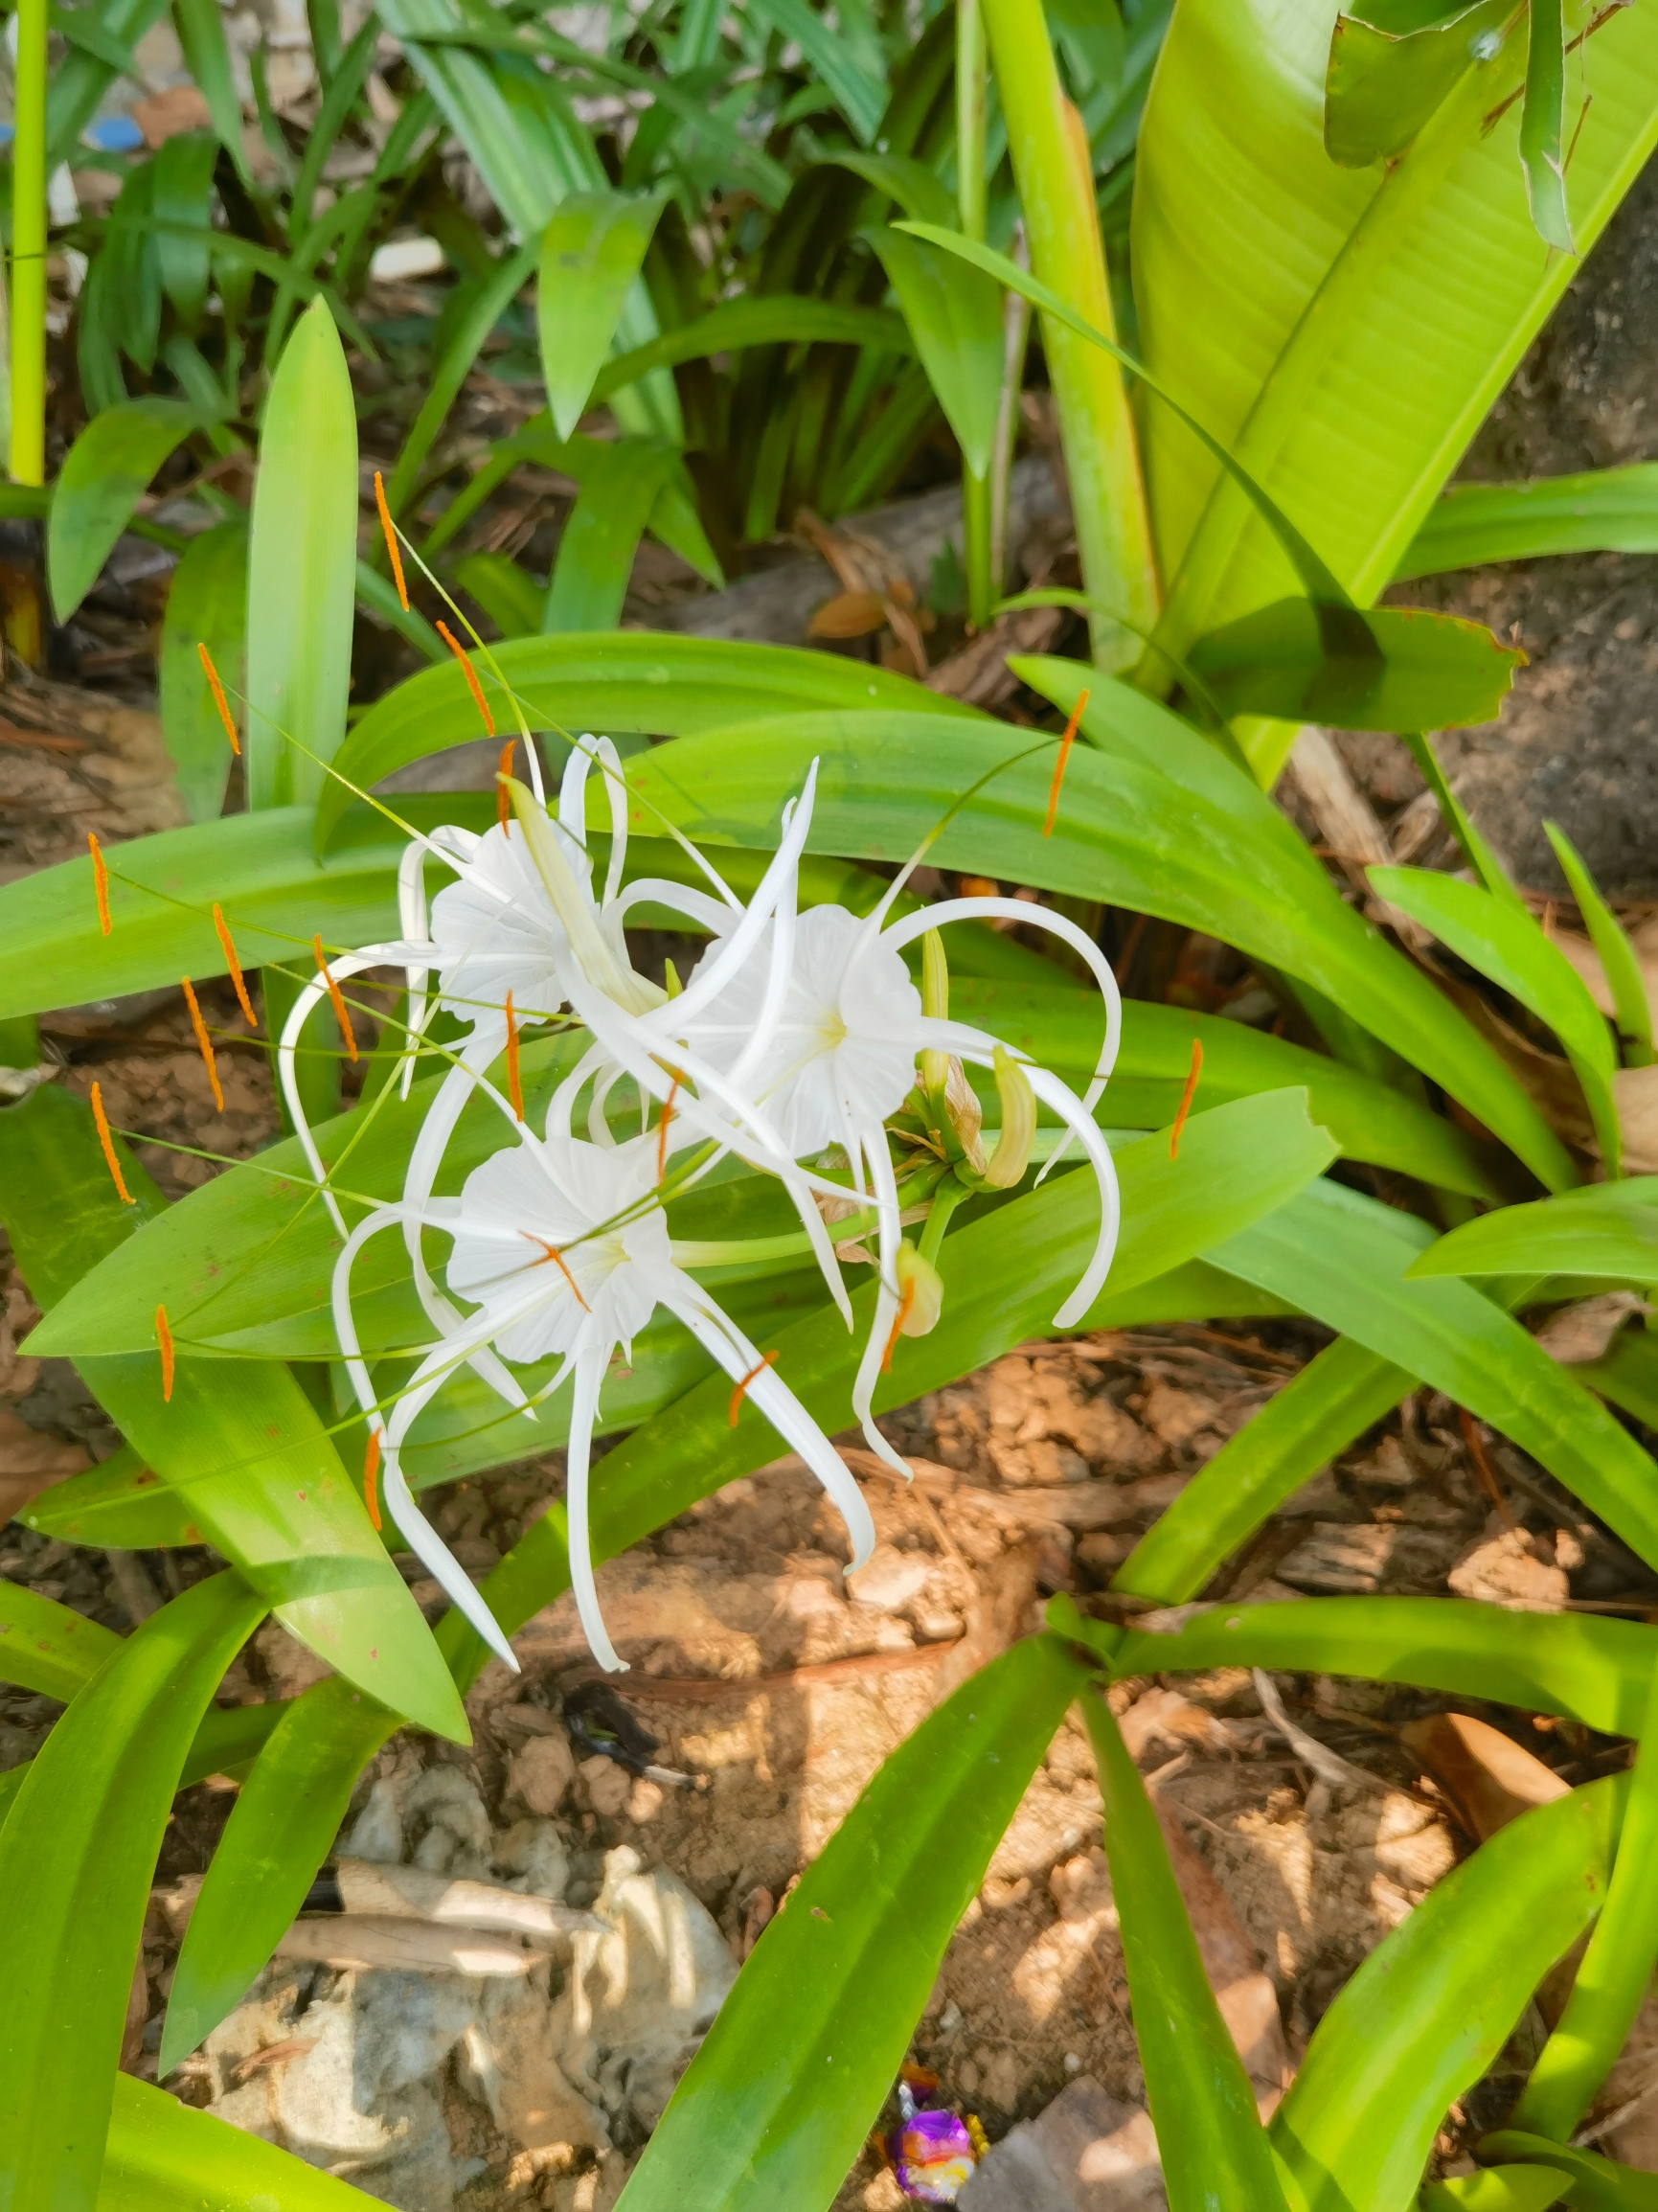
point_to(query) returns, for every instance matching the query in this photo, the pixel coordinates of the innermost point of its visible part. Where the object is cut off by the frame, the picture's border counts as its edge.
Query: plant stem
(983, 586)
(1615, 1970)
(29, 249)
(1054, 176)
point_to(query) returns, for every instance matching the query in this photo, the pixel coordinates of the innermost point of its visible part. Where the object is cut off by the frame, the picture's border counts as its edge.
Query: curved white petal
(887, 1304)
(314, 991)
(1075, 1114)
(715, 968)
(583, 1410)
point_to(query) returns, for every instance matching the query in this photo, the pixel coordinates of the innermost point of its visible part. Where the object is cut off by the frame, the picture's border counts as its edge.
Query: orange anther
(102, 1121)
(471, 676)
(234, 965)
(202, 1042)
(397, 558)
(341, 1014)
(515, 1081)
(1186, 1097)
(100, 882)
(164, 1338)
(372, 1459)
(1066, 744)
(218, 699)
(503, 798)
(765, 1359)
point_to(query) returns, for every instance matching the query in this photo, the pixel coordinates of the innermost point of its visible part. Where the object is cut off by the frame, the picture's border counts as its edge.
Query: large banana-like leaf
(1344, 331)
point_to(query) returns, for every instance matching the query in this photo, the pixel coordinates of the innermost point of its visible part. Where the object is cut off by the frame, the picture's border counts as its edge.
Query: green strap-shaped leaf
(595, 558)
(1433, 2004)
(806, 2049)
(242, 1444)
(1627, 1374)
(590, 258)
(162, 2157)
(104, 473)
(1214, 2150)
(79, 1850)
(302, 569)
(489, 299)
(508, 595)
(200, 27)
(835, 59)
(120, 1503)
(1615, 1968)
(1617, 955)
(47, 1647)
(1344, 1258)
(1500, 938)
(1594, 1669)
(1123, 831)
(1334, 1399)
(667, 686)
(77, 87)
(1601, 511)
(1543, 124)
(1597, 2185)
(1402, 668)
(1604, 1230)
(955, 318)
(763, 321)
(207, 606)
(1498, 2189)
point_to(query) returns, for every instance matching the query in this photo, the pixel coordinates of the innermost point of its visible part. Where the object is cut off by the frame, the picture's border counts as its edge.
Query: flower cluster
(798, 1045)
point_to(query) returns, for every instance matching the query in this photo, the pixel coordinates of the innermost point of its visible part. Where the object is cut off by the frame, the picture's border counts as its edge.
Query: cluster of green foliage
(1337, 257)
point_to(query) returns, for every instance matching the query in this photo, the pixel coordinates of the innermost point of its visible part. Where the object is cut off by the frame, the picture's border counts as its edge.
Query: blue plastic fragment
(114, 134)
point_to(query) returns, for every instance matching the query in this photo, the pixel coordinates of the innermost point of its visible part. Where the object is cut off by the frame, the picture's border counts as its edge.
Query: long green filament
(29, 249)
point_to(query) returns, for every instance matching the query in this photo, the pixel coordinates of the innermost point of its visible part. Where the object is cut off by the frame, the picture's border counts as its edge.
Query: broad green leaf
(1499, 938)
(207, 606)
(1420, 671)
(227, 1739)
(804, 2051)
(1390, 71)
(756, 322)
(79, 1844)
(1543, 124)
(1123, 833)
(1597, 2185)
(1632, 1007)
(601, 537)
(104, 474)
(665, 685)
(1590, 1668)
(1214, 2150)
(302, 567)
(1344, 1259)
(487, 300)
(1498, 2189)
(591, 254)
(1334, 1399)
(955, 317)
(242, 1445)
(163, 2156)
(282, 1827)
(1433, 2004)
(1615, 1969)
(48, 1647)
(1283, 348)
(200, 27)
(1601, 511)
(120, 1503)
(1606, 1229)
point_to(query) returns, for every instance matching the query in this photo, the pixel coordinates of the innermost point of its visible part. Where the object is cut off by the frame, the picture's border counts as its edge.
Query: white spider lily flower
(561, 1247)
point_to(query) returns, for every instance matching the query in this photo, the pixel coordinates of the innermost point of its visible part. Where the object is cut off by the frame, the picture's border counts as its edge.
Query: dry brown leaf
(850, 614)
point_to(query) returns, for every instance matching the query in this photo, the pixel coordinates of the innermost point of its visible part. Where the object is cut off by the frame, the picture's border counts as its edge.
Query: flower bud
(921, 1293)
(936, 1004)
(1012, 1153)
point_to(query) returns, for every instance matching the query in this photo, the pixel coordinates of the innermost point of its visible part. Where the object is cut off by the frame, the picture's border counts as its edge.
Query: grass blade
(1601, 510)
(207, 606)
(1632, 1007)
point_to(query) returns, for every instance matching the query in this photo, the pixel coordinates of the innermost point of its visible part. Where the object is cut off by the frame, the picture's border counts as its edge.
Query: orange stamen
(203, 1044)
(557, 1257)
(341, 1014)
(903, 1313)
(164, 1338)
(514, 1082)
(471, 676)
(662, 1125)
(100, 882)
(1186, 1097)
(1066, 744)
(234, 965)
(102, 1121)
(397, 558)
(759, 1367)
(218, 699)
(372, 1457)
(503, 802)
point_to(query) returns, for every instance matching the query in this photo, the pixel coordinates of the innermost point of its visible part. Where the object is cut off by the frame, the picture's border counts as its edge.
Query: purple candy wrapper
(932, 2155)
